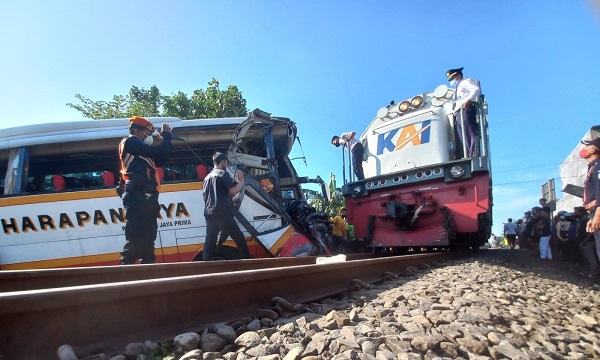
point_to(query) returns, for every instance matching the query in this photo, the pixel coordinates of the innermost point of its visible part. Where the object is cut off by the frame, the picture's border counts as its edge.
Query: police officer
(466, 121)
(140, 198)
(591, 187)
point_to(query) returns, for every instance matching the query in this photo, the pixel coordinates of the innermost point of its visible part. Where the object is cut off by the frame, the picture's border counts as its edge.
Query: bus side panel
(86, 228)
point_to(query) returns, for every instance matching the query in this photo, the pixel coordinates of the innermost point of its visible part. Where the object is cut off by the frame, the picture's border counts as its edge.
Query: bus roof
(86, 130)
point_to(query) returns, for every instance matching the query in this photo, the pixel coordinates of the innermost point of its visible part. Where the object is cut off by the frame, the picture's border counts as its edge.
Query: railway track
(119, 305)
(21, 280)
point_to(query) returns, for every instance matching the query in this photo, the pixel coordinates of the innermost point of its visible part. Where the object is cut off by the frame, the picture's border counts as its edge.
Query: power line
(529, 181)
(537, 166)
(522, 182)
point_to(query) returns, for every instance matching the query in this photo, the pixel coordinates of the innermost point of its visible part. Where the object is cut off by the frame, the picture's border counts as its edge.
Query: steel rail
(123, 312)
(21, 280)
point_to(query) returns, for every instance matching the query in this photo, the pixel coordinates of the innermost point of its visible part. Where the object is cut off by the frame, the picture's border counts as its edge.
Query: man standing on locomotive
(357, 149)
(466, 92)
(140, 198)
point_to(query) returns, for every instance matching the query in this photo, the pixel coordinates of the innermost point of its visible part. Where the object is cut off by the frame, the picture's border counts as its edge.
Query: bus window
(16, 174)
(288, 194)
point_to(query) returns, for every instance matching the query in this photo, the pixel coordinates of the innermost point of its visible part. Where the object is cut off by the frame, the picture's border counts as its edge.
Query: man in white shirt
(465, 111)
(356, 148)
(510, 233)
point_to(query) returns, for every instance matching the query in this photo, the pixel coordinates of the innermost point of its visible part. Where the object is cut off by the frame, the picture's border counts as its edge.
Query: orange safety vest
(127, 159)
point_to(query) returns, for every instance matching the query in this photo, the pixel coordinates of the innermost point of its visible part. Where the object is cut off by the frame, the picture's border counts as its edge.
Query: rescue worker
(467, 91)
(140, 197)
(339, 236)
(591, 188)
(218, 212)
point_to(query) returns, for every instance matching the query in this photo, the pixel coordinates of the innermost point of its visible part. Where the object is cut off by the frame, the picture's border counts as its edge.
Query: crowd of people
(562, 237)
(342, 239)
(571, 236)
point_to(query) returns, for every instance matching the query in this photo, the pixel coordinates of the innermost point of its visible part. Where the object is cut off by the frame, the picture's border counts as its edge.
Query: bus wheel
(227, 253)
(224, 253)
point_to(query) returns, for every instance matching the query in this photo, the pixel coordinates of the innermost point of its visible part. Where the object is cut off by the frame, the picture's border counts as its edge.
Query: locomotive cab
(419, 190)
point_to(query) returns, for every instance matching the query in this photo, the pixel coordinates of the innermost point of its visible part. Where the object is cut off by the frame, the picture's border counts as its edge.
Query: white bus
(60, 208)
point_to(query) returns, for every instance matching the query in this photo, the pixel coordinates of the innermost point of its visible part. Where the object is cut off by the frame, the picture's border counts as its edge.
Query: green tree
(316, 200)
(210, 103)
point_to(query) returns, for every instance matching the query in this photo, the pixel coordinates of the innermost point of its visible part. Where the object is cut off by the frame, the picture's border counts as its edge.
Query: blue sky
(327, 65)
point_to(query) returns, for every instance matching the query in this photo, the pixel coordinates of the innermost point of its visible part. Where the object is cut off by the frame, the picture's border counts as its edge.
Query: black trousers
(512, 240)
(225, 224)
(141, 227)
(340, 245)
(358, 151)
(468, 121)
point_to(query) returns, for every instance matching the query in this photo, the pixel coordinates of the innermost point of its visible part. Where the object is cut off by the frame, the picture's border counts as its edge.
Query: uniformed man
(591, 187)
(219, 187)
(466, 111)
(140, 198)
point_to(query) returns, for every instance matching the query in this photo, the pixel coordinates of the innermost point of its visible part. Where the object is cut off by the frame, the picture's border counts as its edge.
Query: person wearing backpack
(565, 236)
(532, 233)
(542, 230)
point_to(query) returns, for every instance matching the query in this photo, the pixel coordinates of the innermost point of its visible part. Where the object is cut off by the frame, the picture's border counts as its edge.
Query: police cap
(594, 142)
(452, 72)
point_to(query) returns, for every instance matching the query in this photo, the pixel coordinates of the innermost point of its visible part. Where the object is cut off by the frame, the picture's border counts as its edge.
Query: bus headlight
(457, 171)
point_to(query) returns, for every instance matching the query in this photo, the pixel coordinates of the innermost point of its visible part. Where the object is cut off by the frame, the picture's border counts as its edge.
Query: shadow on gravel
(523, 260)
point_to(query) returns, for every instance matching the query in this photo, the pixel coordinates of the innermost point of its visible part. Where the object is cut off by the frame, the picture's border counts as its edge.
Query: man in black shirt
(544, 204)
(218, 212)
(591, 187)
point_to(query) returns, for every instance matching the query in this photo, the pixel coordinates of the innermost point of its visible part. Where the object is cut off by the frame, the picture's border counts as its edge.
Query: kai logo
(410, 134)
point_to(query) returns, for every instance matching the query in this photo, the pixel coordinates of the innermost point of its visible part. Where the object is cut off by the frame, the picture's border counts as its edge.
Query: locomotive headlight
(416, 101)
(457, 171)
(405, 105)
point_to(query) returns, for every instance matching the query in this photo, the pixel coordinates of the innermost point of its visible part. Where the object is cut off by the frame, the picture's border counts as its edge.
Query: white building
(572, 174)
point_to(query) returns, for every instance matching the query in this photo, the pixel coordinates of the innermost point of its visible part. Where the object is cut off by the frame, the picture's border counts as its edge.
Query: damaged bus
(59, 206)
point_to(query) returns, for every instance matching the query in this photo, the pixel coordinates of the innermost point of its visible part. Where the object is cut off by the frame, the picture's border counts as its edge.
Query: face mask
(148, 140)
(585, 153)
(453, 82)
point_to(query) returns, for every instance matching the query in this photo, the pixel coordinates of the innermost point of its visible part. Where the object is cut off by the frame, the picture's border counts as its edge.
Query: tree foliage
(210, 103)
(316, 200)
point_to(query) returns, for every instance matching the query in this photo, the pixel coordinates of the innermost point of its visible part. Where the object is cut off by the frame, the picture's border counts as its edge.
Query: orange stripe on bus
(65, 262)
(284, 237)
